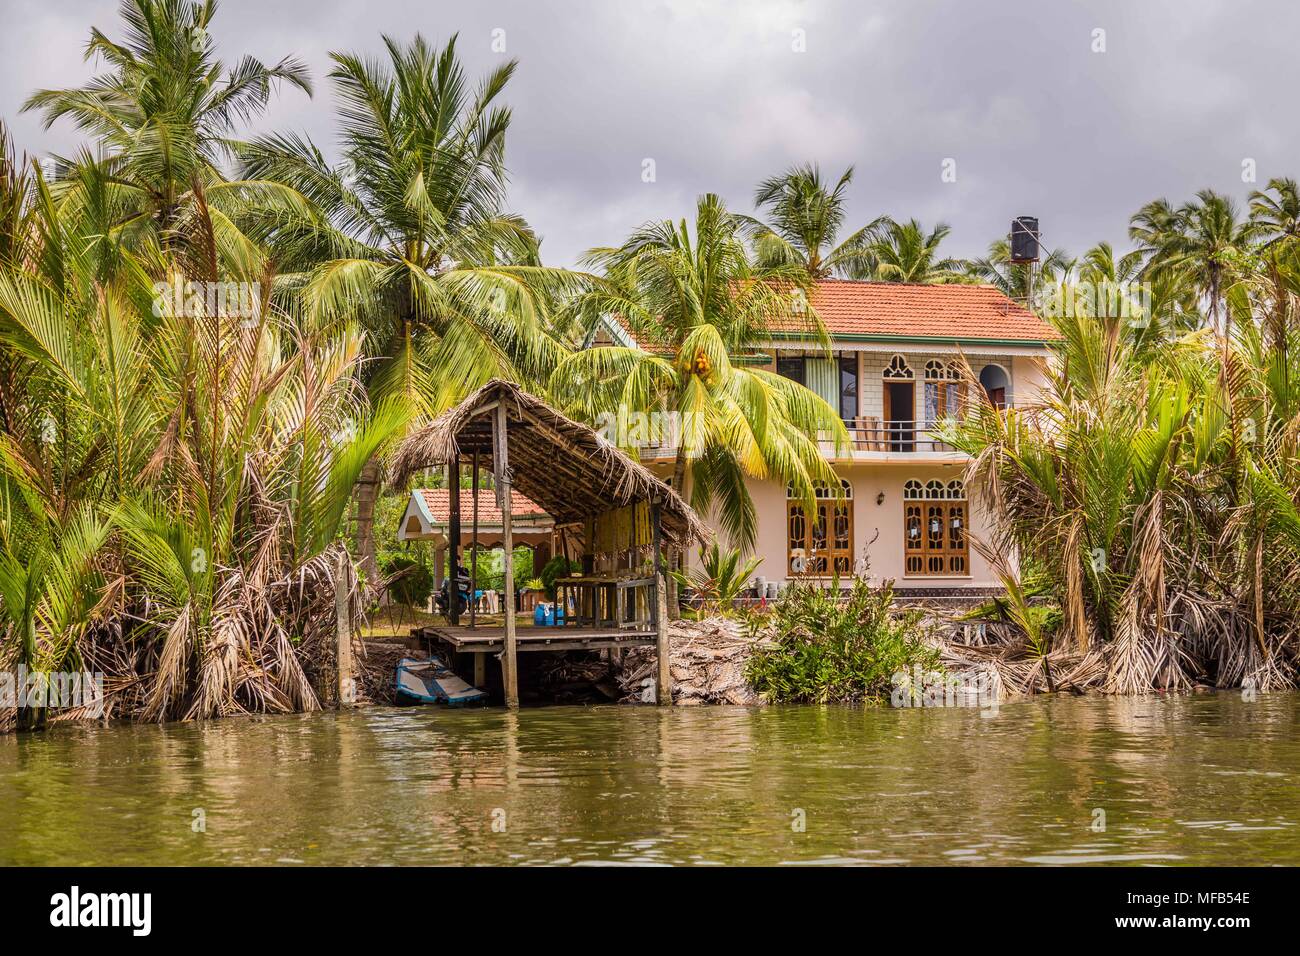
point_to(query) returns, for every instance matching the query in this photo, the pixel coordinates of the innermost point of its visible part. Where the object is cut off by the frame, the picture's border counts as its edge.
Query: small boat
(432, 682)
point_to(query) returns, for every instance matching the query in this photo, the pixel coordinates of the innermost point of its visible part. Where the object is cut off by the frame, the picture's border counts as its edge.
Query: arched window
(820, 545)
(934, 528)
(944, 390)
(898, 369)
(994, 381)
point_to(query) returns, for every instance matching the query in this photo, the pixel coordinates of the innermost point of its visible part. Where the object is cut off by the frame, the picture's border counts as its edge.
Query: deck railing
(868, 433)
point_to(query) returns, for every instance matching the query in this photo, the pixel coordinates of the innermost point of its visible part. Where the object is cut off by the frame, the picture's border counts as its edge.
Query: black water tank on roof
(1024, 239)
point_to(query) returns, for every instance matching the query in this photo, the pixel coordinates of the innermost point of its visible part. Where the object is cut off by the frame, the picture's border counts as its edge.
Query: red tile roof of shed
(436, 500)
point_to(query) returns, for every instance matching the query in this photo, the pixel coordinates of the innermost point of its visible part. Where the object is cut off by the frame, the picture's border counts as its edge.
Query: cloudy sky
(719, 94)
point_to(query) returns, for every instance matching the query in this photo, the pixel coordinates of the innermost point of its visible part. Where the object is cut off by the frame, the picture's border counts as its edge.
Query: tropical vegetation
(718, 579)
(186, 476)
(1155, 491)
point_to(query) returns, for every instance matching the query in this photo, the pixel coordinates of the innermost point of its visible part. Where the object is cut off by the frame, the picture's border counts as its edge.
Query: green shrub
(833, 646)
(558, 566)
(414, 585)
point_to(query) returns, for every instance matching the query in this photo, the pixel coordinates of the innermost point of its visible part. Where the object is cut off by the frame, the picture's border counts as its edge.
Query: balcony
(868, 433)
(870, 439)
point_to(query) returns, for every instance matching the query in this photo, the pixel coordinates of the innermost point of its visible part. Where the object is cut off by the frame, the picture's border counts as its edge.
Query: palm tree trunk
(367, 492)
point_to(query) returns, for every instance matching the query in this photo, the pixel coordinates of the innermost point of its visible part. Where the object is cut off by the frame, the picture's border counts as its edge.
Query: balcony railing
(868, 433)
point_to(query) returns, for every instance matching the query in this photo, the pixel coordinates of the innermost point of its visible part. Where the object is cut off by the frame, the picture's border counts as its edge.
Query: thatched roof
(561, 464)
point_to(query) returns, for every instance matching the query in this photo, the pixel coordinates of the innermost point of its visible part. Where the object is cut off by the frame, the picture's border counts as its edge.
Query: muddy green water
(1194, 780)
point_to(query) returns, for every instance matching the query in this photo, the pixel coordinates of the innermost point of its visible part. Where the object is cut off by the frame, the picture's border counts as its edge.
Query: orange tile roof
(911, 310)
(915, 310)
(436, 500)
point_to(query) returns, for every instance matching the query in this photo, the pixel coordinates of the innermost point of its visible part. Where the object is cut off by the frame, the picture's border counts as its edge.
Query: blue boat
(431, 682)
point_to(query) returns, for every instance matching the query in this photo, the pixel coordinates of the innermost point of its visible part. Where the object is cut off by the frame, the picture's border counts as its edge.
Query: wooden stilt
(659, 615)
(473, 546)
(501, 468)
(343, 631)
(480, 670)
(453, 534)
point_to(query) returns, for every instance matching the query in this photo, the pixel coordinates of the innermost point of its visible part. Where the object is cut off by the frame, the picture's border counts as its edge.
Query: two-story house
(893, 375)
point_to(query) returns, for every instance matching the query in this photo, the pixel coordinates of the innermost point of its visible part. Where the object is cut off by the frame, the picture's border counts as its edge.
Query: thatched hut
(610, 512)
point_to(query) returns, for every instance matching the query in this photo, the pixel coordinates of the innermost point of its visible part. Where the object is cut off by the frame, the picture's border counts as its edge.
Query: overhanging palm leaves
(1155, 488)
(696, 303)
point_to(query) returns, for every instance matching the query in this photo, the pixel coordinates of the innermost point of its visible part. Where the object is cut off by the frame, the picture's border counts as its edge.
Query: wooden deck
(486, 638)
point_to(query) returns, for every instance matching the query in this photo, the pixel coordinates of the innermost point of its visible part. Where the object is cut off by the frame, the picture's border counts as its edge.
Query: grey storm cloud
(721, 95)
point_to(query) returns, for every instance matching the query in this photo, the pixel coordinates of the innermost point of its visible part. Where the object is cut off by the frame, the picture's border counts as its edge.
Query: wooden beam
(659, 615)
(347, 688)
(501, 465)
(473, 549)
(453, 542)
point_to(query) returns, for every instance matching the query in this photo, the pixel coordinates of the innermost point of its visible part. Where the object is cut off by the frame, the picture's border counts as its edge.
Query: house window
(820, 546)
(792, 367)
(934, 529)
(849, 387)
(993, 378)
(943, 390)
(898, 369)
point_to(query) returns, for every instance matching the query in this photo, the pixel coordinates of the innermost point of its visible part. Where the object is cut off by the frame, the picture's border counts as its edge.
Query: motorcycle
(443, 598)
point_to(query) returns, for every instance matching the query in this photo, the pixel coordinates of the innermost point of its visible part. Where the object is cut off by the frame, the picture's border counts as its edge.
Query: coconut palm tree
(414, 243)
(1200, 242)
(1019, 280)
(696, 302)
(164, 118)
(905, 252)
(1277, 216)
(804, 217)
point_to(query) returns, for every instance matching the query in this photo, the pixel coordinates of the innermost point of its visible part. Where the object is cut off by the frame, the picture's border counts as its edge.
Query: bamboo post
(501, 463)
(343, 630)
(659, 615)
(453, 534)
(473, 546)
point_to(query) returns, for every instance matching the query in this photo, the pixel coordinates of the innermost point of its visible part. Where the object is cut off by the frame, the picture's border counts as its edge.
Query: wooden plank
(453, 540)
(501, 463)
(473, 547)
(664, 680)
(347, 688)
(482, 640)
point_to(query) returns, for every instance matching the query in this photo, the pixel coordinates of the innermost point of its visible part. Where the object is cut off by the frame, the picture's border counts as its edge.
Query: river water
(1211, 779)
